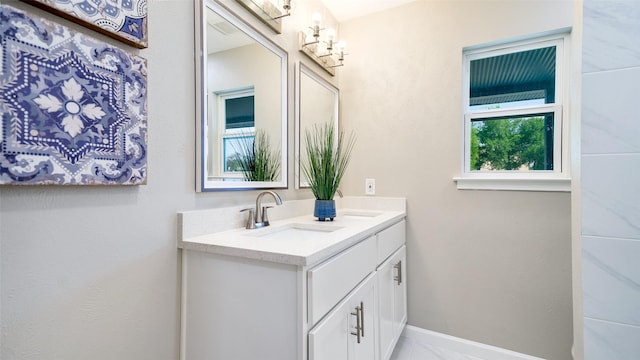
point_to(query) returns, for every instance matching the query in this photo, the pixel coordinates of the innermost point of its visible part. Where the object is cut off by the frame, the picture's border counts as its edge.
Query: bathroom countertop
(275, 244)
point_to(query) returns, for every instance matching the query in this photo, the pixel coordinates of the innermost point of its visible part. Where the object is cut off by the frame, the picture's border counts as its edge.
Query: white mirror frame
(202, 153)
(301, 70)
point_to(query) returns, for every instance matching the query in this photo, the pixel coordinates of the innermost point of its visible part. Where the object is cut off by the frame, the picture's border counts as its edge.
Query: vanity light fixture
(327, 53)
(286, 6)
(268, 12)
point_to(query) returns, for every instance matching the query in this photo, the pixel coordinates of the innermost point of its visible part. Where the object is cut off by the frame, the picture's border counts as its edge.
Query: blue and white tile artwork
(125, 20)
(74, 109)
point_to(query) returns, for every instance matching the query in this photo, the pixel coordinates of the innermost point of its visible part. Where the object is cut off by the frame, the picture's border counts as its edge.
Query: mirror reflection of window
(239, 113)
(233, 153)
(237, 132)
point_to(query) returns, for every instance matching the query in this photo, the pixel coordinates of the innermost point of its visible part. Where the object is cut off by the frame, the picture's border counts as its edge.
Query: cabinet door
(386, 299)
(329, 340)
(336, 336)
(363, 301)
(392, 290)
(400, 291)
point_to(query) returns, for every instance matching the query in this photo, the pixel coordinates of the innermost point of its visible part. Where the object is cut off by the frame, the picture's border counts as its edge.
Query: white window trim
(553, 180)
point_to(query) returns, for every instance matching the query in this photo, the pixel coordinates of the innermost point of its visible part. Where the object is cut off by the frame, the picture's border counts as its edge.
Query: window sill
(506, 184)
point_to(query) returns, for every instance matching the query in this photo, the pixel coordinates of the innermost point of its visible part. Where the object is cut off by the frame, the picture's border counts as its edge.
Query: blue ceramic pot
(325, 210)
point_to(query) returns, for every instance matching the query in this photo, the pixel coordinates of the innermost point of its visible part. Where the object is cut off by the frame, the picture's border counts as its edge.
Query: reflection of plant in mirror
(257, 159)
(327, 159)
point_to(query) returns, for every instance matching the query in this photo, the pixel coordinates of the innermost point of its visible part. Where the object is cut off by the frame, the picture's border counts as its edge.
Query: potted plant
(327, 158)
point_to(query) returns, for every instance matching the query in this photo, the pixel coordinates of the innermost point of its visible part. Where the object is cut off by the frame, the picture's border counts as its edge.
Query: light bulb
(316, 19)
(341, 45)
(331, 34)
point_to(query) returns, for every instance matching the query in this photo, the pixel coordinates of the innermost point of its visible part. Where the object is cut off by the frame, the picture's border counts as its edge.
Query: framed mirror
(241, 100)
(317, 101)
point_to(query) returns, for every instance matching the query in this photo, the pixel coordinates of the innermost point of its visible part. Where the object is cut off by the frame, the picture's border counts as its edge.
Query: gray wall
(610, 180)
(93, 273)
(493, 267)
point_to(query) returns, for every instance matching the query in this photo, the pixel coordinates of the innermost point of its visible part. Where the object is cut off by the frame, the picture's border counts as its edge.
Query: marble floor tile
(409, 349)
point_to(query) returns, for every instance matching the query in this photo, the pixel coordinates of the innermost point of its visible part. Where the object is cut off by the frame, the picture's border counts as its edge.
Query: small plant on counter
(328, 155)
(258, 160)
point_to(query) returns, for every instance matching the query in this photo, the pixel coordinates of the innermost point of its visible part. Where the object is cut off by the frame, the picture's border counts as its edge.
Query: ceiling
(348, 9)
(222, 36)
(519, 76)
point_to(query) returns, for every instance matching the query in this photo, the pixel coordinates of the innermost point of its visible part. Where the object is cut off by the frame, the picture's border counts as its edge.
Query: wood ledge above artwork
(128, 25)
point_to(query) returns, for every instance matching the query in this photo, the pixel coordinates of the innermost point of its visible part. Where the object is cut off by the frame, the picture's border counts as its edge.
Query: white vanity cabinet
(343, 304)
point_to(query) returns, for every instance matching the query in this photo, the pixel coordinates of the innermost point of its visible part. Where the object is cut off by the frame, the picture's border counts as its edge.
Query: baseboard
(463, 346)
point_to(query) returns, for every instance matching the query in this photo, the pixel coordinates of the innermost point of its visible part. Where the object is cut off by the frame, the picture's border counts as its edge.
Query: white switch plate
(370, 186)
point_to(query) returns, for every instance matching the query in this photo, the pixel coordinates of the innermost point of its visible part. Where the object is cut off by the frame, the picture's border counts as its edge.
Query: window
(237, 131)
(515, 116)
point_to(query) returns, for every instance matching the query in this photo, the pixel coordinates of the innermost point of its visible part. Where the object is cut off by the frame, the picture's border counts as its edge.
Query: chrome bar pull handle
(362, 318)
(358, 315)
(398, 277)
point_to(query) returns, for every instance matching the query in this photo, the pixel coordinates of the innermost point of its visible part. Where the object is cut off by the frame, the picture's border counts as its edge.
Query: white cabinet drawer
(390, 239)
(332, 280)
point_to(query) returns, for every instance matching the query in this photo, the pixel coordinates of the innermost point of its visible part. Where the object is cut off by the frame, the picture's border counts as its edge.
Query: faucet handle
(265, 217)
(251, 222)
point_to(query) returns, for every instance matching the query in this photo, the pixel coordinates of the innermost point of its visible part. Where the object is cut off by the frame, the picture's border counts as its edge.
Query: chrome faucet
(259, 218)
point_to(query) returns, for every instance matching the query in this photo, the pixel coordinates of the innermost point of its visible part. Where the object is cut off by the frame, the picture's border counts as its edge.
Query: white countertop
(273, 244)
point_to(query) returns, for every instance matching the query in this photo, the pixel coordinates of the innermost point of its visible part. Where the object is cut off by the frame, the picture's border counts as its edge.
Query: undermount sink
(299, 231)
(360, 214)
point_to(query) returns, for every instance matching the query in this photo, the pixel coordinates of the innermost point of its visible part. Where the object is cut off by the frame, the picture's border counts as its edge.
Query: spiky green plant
(327, 159)
(258, 159)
